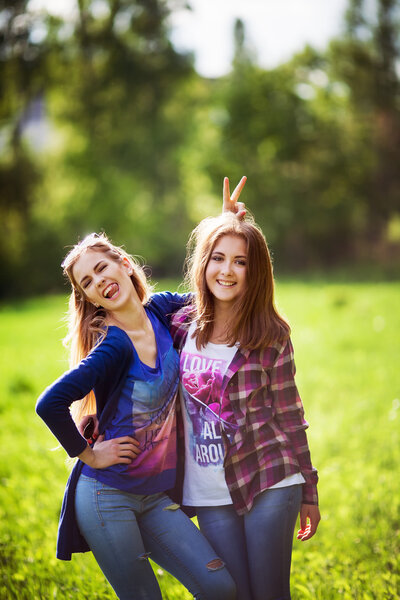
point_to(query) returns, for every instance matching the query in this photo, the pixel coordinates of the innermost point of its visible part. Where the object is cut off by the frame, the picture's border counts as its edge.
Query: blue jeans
(123, 529)
(256, 547)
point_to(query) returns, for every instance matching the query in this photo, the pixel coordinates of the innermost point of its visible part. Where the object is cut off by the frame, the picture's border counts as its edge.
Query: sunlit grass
(346, 340)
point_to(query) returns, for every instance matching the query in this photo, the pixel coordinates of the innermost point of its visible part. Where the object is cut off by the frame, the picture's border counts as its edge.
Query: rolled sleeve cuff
(310, 493)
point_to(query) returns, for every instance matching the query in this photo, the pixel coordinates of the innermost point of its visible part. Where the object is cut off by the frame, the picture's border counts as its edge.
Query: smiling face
(226, 270)
(103, 281)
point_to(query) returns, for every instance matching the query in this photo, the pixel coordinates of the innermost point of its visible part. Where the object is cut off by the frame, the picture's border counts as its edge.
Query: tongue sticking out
(111, 290)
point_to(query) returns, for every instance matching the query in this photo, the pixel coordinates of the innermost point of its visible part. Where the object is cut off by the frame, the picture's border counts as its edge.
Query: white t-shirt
(203, 411)
(202, 372)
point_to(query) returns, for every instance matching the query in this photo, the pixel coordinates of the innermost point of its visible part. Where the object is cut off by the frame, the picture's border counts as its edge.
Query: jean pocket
(113, 504)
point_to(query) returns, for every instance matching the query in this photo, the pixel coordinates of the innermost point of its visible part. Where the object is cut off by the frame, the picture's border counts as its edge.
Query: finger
(129, 448)
(238, 189)
(241, 210)
(127, 439)
(226, 197)
(123, 461)
(303, 519)
(307, 535)
(313, 527)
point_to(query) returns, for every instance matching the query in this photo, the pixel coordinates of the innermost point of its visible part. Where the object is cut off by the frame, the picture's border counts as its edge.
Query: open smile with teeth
(111, 291)
(226, 283)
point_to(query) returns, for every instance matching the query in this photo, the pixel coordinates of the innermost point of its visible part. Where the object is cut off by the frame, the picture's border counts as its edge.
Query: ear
(127, 265)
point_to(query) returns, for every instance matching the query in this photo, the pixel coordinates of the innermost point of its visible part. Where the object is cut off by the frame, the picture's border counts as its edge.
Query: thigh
(269, 530)
(177, 545)
(224, 529)
(107, 519)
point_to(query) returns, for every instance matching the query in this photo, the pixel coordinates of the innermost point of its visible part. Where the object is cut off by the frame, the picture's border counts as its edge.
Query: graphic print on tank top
(201, 379)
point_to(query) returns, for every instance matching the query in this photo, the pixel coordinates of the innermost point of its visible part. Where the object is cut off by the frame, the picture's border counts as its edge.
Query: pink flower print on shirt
(200, 390)
(204, 387)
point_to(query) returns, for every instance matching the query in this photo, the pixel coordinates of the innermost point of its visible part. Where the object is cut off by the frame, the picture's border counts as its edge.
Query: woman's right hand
(122, 450)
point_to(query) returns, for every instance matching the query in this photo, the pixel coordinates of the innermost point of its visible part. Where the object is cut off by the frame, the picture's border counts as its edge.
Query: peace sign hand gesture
(230, 203)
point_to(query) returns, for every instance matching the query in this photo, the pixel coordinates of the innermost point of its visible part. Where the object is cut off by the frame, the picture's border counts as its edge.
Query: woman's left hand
(309, 519)
(230, 203)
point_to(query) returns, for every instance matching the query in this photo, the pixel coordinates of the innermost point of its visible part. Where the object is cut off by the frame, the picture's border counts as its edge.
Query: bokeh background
(104, 124)
(124, 116)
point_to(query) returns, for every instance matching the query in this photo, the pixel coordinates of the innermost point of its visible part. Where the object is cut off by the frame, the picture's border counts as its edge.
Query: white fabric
(201, 375)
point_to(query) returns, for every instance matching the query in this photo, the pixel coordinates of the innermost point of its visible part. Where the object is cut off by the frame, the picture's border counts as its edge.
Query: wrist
(87, 456)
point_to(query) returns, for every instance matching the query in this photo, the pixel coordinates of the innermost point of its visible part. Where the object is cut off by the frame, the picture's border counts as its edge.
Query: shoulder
(182, 317)
(114, 346)
(165, 304)
(180, 323)
(169, 300)
(277, 353)
(114, 338)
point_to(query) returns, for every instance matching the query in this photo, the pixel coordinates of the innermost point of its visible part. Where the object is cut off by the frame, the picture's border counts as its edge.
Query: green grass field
(346, 340)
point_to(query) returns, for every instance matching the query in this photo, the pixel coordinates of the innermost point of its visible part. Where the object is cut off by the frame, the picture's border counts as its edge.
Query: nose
(226, 268)
(99, 279)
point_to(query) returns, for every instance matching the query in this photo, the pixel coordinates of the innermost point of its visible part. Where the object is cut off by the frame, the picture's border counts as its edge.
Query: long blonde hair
(255, 321)
(86, 322)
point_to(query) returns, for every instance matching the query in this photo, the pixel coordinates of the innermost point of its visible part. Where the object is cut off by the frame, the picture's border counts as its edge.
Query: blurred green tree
(111, 82)
(367, 60)
(23, 77)
(318, 138)
(131, 140)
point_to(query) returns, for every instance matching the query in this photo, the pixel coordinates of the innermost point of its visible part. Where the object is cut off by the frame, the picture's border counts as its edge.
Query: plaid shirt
(270, 443)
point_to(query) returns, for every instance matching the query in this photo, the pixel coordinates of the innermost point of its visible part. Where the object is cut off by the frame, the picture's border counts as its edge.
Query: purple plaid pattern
(271, 441)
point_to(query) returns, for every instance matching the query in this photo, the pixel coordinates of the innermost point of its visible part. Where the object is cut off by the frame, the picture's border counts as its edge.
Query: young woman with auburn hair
(254, 320)
(247, 471)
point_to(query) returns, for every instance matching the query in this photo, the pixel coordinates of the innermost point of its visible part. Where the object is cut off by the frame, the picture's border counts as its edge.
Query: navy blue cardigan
(104, 370)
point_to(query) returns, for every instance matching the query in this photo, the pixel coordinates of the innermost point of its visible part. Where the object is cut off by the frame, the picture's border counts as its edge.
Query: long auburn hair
(255, 322)
(86, 322)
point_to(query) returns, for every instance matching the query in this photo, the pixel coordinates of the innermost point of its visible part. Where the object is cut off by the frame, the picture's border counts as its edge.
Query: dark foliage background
(104, 125)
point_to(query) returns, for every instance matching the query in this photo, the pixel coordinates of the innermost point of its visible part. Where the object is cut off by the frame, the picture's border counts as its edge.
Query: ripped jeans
(123, 529)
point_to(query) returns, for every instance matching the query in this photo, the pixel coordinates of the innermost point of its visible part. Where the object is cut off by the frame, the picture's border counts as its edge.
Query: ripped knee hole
(215, 564)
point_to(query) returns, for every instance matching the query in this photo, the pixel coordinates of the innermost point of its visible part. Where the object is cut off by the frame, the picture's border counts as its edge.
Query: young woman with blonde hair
(247, 467)
(125, 369)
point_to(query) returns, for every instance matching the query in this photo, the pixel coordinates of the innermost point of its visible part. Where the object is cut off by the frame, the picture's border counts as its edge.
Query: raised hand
(230, 202)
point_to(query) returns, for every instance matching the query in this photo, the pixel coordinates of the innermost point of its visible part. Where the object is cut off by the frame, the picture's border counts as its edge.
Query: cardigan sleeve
(53, 405)
(289, 414)
(166, 304)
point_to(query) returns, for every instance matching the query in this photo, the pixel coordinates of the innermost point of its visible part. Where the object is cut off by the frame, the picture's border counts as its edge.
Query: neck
(130, 318)
(222, 316)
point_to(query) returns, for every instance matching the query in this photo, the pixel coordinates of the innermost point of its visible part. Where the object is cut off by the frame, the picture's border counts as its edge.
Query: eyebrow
(237, 255)
(88, 276)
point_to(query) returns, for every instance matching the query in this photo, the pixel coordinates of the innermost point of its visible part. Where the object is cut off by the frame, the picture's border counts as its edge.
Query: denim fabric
(123, 529)
(256, 547)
